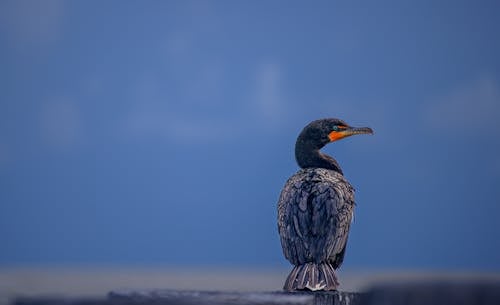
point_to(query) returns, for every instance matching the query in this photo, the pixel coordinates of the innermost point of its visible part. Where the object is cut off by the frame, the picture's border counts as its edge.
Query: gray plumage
(315, 210)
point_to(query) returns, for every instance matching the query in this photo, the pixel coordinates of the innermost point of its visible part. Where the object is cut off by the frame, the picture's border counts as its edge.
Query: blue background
(162, 132)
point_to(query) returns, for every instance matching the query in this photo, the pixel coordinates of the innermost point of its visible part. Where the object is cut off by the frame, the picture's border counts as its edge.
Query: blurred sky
(162, 132)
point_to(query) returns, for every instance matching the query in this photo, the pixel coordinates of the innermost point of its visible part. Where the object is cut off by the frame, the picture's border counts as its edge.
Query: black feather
(314, 214)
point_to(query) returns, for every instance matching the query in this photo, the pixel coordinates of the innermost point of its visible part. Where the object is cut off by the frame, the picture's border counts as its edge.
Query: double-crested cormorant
(315, 209)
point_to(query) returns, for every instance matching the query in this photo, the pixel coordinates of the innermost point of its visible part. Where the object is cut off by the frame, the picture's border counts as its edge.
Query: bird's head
(321, 132)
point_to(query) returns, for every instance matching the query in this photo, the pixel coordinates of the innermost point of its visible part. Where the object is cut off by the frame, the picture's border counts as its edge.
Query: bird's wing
(343, 218)
(315, 213)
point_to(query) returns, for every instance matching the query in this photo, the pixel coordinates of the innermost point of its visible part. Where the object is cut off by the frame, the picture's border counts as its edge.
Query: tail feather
(311, 276)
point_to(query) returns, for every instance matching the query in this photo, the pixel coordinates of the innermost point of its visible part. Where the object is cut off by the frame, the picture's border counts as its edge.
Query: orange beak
(347, 132)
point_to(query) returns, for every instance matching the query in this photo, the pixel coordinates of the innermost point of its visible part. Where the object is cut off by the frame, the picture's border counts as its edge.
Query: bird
(315, 209)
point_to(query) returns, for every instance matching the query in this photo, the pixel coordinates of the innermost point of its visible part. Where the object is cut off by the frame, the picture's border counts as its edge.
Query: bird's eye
(339, 127)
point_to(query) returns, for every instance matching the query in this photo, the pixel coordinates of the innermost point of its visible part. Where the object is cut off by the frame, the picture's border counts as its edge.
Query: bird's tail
(311, 276)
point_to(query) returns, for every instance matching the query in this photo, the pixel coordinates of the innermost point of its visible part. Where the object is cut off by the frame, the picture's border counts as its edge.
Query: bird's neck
(308, 156)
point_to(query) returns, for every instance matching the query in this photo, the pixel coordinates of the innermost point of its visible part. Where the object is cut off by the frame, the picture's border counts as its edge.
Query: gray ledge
(179, 297)
(429, 293)
(235, 298)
